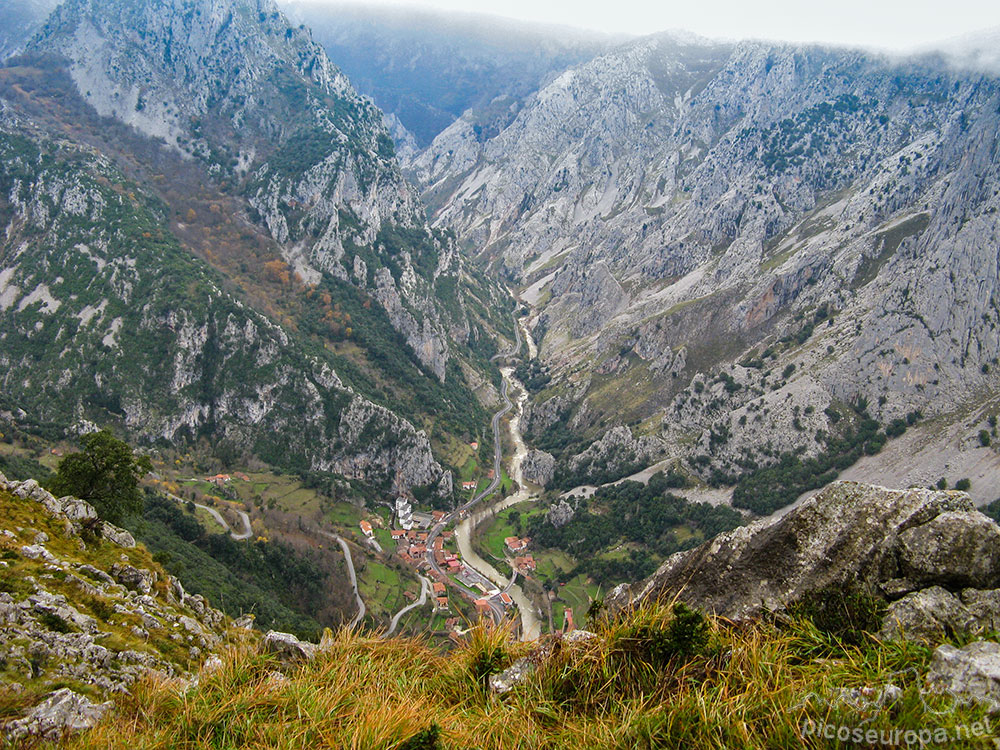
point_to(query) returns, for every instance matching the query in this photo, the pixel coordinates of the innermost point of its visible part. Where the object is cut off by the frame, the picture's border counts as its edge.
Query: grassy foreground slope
(658, 678)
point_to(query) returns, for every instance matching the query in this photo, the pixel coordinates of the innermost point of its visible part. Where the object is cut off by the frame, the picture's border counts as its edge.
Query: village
(425, 545)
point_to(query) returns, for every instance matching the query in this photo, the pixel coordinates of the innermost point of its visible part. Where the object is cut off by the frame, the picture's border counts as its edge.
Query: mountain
(19, 19)
(730, 248)
(208, 236)
(425, 68)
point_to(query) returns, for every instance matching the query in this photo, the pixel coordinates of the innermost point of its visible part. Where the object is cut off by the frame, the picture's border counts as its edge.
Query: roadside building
(515, 544)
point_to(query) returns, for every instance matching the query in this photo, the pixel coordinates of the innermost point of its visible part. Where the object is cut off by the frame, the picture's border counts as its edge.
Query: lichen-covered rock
(287, 648)
(968, 674)
(848, 533)
(927, 615)
(929, 551)
(984, 608)
(61, 712)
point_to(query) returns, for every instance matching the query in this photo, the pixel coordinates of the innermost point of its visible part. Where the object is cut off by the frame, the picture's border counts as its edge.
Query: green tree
(106, 474)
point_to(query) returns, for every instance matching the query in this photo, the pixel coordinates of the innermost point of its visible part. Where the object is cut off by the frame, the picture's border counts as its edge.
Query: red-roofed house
(366, 528)
(514, 544)
(525, 564)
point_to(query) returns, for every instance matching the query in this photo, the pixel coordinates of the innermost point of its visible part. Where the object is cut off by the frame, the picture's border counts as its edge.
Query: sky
(886, 24)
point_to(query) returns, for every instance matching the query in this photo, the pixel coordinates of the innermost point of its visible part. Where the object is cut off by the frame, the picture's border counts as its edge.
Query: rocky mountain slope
(425, 68)
(209, 160)
(106, 317)
(19, 19)
(722, 242)
(85, 612)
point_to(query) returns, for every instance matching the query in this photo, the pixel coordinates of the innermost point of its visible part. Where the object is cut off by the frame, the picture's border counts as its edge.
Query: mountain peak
(159, 65)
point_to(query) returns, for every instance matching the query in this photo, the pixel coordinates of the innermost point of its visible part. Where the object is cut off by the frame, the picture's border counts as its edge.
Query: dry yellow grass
(751, 686)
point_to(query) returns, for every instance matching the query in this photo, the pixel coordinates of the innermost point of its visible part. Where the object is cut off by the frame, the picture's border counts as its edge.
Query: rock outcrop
(920, 550)
(287, 648)
(66, 620)
(61, 712)
(538, 467)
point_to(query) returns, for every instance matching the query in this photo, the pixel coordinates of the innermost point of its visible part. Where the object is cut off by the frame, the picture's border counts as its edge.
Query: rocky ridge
(83, 607)
(235, 86)
(82, 248)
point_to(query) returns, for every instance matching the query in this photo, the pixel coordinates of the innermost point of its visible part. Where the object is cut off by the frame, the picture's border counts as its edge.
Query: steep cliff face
(104, 317)
(197, 193)
(677, 207)
(234, 85)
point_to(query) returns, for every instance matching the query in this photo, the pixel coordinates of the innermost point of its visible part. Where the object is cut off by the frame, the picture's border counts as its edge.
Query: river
(531, 625)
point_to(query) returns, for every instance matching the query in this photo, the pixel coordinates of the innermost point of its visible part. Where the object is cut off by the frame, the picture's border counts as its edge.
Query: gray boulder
(61, 712)
(929, 552)
(847, 533)
(927, 615)
(288, 648)
(117, 536)
(984, 608)
(968, 674)
(137, 579)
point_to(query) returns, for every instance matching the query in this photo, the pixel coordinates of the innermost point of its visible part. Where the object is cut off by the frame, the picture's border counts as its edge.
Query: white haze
(888, 25)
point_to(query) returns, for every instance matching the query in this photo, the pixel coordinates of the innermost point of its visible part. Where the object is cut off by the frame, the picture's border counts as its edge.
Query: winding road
(350, 574)
(425, 589)
(237, 535)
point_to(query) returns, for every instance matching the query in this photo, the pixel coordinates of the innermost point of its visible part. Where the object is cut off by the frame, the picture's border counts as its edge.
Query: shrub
(984, 438)
(963, 484)
(425, 739)
(848, 613)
